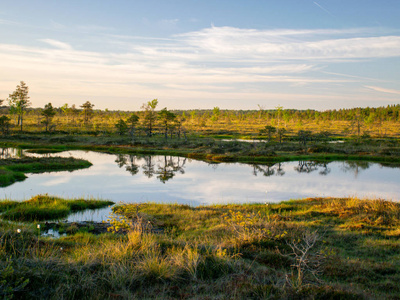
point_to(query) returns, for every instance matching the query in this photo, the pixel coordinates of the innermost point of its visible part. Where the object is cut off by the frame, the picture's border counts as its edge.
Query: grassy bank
(44, 207)
(305, 249)
(377, 150)
(13, 169)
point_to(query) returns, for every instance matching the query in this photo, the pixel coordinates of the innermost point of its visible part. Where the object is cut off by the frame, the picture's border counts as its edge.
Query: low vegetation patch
(44, 150)
(319, 248)
(13, 169)
(45, 207)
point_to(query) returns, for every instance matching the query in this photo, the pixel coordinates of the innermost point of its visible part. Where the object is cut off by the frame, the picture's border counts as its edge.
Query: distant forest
(151, 120)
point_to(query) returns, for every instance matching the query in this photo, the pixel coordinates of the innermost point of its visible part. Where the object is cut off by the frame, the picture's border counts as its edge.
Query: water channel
(169, 179)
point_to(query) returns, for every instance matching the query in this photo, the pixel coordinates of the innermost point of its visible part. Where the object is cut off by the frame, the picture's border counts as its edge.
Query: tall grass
(201, 252)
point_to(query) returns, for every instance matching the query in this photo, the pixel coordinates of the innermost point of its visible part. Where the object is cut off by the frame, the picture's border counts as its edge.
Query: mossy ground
(305, 249)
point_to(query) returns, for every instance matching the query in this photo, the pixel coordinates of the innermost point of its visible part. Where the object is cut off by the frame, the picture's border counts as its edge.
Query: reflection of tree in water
(213, 165)
(279, 170)
(268, 169)
(164, 168)
(121, 160)
(132, 168)
(11, 153)
(148, 167)
(355, 166)
(169, 166)
(325, 170)
(311, 166)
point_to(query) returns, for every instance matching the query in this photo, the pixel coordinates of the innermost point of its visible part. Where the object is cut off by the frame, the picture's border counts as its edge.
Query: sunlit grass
(216, 250)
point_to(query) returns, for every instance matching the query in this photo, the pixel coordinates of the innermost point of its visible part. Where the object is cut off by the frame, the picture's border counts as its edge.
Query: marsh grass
(44, 150)
(45, 207)
(8, 177)
(211, 149)
(13, 169)
(44, 164)
(315, 250)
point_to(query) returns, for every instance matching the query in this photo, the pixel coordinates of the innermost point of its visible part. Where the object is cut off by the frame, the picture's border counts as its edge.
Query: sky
(192, 54)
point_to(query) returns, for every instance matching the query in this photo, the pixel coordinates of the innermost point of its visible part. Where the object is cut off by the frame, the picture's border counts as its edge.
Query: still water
(168, 179)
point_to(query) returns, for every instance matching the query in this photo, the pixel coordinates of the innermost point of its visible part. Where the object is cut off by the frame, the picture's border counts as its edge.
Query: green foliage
(166, 118)
(149, 115)
(48, 112)
(19, 101)
(304, 136)
(4, 124)
(87, 110)
(121, 126)
(9, 283)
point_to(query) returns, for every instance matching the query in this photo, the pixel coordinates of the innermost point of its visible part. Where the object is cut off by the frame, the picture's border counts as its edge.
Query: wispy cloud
(8, 22)
(94, 28)
(271, 45)
(323, 8)
(383, 90)
(57, 44)
(170, 21)
(353, 76)
(222, 63)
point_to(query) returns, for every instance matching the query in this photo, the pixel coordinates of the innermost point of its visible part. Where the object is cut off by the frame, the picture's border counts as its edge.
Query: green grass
(44, 207)
(13, 169)
(8, 177)
(247, 251)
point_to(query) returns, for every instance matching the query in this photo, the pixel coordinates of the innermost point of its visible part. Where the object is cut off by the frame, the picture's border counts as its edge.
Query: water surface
(168, 179)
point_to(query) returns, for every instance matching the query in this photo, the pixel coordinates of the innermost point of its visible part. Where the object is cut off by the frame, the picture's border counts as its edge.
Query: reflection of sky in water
(199, 183)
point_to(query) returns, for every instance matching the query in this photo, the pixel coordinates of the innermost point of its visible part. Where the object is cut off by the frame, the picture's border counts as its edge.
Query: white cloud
(57, 44)
(383, 90)
(170, 21)
(279, 44)
(219, 63)
(8, 22)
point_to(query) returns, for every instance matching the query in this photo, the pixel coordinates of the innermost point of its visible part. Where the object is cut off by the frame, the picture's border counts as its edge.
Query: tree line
(270, 123)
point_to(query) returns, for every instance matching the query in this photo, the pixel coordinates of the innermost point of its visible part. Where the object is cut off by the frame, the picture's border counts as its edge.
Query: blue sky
(201, 54)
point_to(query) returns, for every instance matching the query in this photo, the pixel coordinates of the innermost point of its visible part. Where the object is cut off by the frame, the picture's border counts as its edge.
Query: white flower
(38, 226)
(61, 248)
(18, 230)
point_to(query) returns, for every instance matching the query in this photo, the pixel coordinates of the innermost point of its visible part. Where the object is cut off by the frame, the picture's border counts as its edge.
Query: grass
(13, 169)
(319, 248)
(383, 150)
(8, 177)
(45, 207)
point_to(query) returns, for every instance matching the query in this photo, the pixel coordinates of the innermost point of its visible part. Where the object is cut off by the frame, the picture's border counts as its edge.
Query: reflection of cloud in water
(196, 182)
(60, 179)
